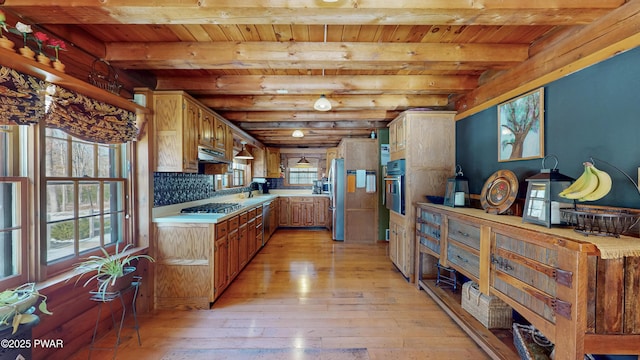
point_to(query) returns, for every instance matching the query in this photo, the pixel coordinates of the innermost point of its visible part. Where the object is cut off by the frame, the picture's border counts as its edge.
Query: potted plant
(17, 306)
(112, 272)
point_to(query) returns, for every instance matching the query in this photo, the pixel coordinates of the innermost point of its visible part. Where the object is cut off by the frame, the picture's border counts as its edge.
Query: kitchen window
(302, 175)
(86, 189)
(14, 218)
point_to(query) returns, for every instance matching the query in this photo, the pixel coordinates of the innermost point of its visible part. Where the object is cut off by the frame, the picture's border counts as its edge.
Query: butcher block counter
(582, 292)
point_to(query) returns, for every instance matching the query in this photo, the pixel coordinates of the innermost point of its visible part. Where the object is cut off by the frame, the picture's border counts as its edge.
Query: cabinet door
(273, 162)
(283, 211)
(190, 133)
(251, 238)
(296, 214)
(221, 265)
(321, 211)
(393, 243)
(229, 143)
(393, 143)
(234, 248)
(401, 135)
(220, 135)
(206, 128)
(243, 246)
(332, 153)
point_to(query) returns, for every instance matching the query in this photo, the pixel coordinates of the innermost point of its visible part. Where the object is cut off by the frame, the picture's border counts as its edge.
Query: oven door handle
(397, 178)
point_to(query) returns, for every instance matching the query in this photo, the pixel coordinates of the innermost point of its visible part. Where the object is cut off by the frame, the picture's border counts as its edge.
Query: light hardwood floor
(305, 291)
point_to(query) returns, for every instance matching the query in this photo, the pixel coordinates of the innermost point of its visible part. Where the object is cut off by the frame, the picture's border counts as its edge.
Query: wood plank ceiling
(262, 64)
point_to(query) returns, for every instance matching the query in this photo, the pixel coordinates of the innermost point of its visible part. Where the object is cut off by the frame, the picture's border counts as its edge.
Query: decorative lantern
(542, 205)
(457, 192)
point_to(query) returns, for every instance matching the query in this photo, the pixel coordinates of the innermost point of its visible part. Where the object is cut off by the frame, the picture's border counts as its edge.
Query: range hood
(211, 156)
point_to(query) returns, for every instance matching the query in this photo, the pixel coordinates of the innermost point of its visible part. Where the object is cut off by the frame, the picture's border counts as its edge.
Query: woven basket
(492, 312)
(531, 344)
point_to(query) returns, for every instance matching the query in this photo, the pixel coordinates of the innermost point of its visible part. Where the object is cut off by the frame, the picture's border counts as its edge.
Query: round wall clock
(499, 192)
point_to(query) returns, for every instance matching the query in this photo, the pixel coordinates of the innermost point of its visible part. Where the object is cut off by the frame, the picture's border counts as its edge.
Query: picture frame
(521, 127)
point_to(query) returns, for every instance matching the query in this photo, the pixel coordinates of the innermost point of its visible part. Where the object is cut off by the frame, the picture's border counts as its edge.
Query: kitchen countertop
(172, 214)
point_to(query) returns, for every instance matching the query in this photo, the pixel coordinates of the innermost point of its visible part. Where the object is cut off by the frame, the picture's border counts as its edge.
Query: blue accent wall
(591, 113)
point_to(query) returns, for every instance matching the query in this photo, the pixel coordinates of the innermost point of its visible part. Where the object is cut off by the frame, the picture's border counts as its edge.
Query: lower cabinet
(304, 211)
(399, 245)
(553, 277)
(195, 263)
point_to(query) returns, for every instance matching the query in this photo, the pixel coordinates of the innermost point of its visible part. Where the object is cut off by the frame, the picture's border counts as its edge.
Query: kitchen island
(198, 255)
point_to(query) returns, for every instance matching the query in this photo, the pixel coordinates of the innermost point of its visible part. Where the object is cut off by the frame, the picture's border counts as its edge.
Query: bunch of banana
(592, 185)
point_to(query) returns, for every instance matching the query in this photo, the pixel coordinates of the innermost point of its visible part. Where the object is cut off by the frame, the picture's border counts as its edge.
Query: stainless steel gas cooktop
(212, 208)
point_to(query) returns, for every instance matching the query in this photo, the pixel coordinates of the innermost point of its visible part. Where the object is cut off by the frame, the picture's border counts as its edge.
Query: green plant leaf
(43, 308)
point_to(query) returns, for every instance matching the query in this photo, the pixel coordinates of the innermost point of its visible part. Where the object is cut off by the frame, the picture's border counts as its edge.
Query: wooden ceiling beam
(335, 84)
(555, 12)
(614, 33)
(292, 55)
(305, 102)
(316, 126)
(283, 116)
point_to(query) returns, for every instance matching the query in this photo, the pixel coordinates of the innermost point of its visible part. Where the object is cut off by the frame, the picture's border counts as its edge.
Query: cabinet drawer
(464, 233)
(252, 213)
(428, 230)
(233, 223)
(243, 217)
(526, 273)
(463, 260)
(221, 229)
(302, 199)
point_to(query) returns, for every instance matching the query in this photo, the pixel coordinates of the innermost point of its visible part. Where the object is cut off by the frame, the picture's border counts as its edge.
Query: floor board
(305, 296)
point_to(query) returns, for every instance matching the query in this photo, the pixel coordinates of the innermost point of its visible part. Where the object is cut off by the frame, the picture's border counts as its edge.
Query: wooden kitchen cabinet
(583, 298)
(321, 211)
(398, 244)
(221, 259)
(207, 128)
(301, 211)
(176, 118)
(426, 141)
(229, 143)
(283, 213)
(220, 136)
(273, 162)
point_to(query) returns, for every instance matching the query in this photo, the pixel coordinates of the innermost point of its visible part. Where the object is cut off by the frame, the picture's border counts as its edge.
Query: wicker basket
(492, 312)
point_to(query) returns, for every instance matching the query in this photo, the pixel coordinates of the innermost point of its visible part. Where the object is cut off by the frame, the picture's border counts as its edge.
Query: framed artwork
(521, 127)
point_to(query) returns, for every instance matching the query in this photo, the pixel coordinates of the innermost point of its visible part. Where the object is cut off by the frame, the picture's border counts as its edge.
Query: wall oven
(394, 186)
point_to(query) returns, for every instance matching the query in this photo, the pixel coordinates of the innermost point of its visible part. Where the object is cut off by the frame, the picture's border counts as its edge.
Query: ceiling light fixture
(330, 0)
(323, 104)
(244, 153)
(297, 134)
(303, 161)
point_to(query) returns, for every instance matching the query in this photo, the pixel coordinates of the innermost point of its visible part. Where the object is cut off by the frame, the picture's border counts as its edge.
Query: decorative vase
(43, 59)
(27, 52)
(58, 65)
(6, 43)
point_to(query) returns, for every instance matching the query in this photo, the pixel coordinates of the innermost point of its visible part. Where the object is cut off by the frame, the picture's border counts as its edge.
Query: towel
(371, 183)
(351, 183)
(360, 178)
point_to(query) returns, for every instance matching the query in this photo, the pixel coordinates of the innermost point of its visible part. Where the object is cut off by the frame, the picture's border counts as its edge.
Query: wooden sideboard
(584, 299)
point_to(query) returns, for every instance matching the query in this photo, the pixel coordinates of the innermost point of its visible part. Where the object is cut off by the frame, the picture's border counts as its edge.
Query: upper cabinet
(397, 138)
(176, 132)
(273, 162)
(220, 136)
(207, 128)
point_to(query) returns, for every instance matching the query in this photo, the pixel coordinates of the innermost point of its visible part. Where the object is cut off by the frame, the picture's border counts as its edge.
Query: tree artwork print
(520, 127)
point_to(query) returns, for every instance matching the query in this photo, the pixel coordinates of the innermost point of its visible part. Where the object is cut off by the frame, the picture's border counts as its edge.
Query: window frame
(64, 264)
(22, 275)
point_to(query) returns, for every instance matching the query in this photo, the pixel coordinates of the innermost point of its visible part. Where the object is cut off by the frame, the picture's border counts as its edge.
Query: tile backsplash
(175, 188)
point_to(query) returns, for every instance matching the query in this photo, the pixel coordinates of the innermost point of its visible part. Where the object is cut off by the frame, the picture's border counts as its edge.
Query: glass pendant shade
(297, 134)
(322, 104)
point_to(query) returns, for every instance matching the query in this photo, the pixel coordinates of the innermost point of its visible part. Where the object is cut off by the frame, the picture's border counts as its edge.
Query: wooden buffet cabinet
(583, 298)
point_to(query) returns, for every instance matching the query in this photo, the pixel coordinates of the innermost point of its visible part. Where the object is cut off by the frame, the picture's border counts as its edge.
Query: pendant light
(323, 104)
(303, 162)
(244, 153)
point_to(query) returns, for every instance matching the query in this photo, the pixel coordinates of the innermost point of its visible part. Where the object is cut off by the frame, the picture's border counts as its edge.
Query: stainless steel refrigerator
(337, 188)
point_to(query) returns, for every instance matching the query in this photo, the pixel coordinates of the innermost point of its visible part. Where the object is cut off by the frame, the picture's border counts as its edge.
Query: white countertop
(171, 213)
